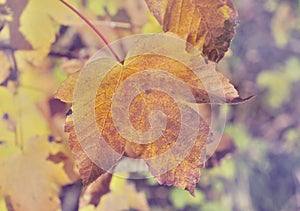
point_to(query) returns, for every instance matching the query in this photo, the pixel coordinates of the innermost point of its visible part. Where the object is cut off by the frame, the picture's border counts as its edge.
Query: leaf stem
(94, 28)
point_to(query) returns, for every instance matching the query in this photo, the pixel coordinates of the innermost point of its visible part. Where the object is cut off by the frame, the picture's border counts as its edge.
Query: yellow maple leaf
(40, 21)
(28, 180)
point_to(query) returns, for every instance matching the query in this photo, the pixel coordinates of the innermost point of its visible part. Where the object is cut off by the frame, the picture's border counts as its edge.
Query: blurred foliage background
(262, 173)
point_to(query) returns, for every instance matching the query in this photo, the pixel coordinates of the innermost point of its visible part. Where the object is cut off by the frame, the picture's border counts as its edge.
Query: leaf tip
(240, 100)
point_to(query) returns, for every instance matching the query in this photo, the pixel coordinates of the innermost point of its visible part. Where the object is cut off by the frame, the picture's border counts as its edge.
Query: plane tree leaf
(207, 24)
(109, 108)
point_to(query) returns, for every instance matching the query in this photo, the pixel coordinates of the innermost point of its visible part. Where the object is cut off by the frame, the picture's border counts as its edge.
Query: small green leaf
(181, 198)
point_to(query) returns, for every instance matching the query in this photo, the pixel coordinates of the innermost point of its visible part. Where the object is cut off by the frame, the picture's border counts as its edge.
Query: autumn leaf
(24, 156)
(101, 7)
(125, 194)
(100, 103)
(207, 24)
(39, 22)
(65, 93)
(5, 67)
(34, 187)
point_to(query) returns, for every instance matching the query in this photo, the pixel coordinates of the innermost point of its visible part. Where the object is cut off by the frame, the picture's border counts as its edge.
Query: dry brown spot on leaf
(207, 24)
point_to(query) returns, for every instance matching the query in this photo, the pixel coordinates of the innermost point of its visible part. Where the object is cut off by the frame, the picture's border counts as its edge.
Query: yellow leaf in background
(3, 205)
(39, 22)
(96, 7)
(88, 208)
(36, 79)
(152, 26)
(99, 7)
(4, 35)
(6, 102)
(28, 180)
(7, 119)
(30, 118)
(283, 22)
(29, 121)
(5, 65)
(21, 120)
(123, 196)
(37, 86)
(42, 176)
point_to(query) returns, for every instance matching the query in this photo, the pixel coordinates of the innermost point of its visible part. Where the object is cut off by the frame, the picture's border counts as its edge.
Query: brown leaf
(207, 24)
(185, 173)
(141, 108)
(169, 170)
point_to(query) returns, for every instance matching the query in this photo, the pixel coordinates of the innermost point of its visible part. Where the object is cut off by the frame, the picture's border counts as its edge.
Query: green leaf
(283, 22)
(181, 198)
(152, 26)
(279, 83)
(99, 7)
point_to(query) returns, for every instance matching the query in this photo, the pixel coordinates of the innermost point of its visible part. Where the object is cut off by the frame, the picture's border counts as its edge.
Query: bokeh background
(260, 165)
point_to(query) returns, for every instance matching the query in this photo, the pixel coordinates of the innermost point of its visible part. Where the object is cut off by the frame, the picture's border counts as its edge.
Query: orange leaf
(207, 24)
(142, 108)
